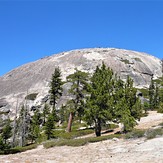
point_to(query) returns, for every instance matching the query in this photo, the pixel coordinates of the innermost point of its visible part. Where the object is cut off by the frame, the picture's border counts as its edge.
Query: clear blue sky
(30, 30)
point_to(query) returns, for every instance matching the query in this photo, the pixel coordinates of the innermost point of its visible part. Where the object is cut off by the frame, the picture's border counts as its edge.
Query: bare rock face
(34, 77)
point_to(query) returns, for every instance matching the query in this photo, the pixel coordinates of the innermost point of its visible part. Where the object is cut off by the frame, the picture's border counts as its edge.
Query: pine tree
(99, 106)
(15, 125)
(70, 105)
(131, 108)
(156, 97)
(24, 125)
(155, 94)
(2, 145)
(123, 114)
(151, 94)
(7, 131)
(78, 91)
(46, 112)
(132, 100)
(55, 90)
(146, 107)
(56, 86)
(63, 114)
(35, 126)
(161, 91)
(160, 108)
(49, 126)
(112, 99)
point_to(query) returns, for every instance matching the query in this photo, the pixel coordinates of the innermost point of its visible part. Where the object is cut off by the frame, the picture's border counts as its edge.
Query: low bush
(70, 135)
(18, 149)
(102, 138)
(125, 61)
(136, 133)
(78, 142)
(161, 124)
(152, 133)
(62, 142)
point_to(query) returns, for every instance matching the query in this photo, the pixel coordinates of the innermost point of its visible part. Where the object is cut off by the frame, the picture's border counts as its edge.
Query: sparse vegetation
(96, 101)
(138, 59)
(125, 61)
(136, 133)
(61, 134)
(152, 133)
(31, 96)
(78, 142)
(18, 149)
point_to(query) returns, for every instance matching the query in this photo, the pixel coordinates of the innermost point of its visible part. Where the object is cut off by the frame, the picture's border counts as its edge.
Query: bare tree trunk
(22, 132)
(15, 125)
(24, 124)
(70, 122)
(98, 128)
(22, 136)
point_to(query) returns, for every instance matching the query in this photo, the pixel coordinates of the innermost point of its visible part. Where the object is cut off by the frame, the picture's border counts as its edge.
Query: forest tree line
(95, 99)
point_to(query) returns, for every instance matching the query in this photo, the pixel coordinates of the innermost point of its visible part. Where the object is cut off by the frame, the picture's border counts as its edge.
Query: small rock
(115, 139)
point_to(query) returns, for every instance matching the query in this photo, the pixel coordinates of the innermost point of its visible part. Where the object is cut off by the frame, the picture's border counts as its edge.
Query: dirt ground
(109, 151)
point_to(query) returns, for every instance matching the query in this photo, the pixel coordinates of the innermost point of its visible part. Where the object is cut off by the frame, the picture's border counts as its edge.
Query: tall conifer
(78, 90)
(56, 86)
(100, 103)
(55, 89)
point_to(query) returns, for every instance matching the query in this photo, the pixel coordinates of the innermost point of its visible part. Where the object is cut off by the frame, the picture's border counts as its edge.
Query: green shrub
(125, 61)
(138, 59)
(161, 124)
(78, 142)
(102, 138)
(62, 142)
(152, 133)
(65, 135)
(18, 149)
(136, 133)
(160, 109)
(70, 135)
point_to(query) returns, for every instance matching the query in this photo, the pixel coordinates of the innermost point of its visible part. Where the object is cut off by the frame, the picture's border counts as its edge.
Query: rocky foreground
(109, 151)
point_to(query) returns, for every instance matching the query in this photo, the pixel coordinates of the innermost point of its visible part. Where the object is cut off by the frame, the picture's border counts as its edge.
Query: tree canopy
(111, 100)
